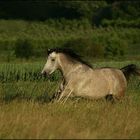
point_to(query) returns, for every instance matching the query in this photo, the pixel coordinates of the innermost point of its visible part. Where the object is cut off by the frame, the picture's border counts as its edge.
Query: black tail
(130, 70)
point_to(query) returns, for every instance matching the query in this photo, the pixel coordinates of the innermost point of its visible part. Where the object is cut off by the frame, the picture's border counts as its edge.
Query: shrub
(121, 23)
(85, 47)
(23, 48)
(115, 47)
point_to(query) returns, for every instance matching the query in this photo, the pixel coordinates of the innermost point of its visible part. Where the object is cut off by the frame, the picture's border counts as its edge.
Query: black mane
(70, 53)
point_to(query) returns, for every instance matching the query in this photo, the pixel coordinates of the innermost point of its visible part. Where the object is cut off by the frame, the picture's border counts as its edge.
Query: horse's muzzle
(45, 74)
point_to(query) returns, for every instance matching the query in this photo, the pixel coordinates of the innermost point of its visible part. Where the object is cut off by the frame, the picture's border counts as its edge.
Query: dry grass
(83, 119)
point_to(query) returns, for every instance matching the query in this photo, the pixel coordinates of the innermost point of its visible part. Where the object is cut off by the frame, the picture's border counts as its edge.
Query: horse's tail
(130, 70)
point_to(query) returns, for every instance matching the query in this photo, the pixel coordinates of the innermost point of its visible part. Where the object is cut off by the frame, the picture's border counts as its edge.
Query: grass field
(25, 110)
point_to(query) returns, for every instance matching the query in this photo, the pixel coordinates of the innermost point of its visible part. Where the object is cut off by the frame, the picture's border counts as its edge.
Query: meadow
(25, 107)
(26, 110)
(105, 33)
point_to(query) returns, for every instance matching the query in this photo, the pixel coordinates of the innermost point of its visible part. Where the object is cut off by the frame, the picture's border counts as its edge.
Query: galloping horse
(80, 79)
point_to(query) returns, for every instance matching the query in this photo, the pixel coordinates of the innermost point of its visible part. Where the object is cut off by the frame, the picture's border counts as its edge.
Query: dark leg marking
(109, 98)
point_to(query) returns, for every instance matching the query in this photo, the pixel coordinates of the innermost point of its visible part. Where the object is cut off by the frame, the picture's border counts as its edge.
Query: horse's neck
(67, 67)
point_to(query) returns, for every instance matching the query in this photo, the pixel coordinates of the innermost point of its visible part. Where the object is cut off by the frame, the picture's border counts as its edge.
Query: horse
(81, 79)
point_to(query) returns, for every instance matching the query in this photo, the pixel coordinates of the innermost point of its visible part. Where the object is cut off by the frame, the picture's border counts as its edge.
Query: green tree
(23, 49)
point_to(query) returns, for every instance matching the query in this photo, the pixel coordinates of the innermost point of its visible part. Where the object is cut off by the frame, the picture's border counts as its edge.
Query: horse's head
(51, 64)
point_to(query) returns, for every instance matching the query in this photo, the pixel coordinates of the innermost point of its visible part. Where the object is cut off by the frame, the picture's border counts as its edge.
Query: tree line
(94, 11)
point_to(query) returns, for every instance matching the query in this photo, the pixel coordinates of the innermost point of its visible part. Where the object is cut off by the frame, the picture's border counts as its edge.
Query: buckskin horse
(80, 79)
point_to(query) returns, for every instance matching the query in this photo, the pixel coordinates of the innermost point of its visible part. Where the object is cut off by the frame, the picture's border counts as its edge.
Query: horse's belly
(92, 89)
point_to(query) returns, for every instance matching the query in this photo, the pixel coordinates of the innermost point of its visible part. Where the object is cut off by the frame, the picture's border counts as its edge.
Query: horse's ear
(48, 51)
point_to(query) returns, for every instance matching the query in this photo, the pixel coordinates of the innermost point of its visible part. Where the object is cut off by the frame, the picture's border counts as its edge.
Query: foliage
(121, 23)
(87, 47)
(43, 35)
(42, 10)
(23, 48)
(94, 11)
(115, 47)
(119, 11)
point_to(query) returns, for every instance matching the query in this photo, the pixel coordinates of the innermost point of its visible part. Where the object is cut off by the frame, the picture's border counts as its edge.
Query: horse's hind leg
(110, 98)
(117, 97)
(120, 95)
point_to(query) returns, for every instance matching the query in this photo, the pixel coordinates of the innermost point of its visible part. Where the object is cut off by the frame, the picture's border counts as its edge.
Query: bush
(23, 48)
(121, 23)
(85, 47)
(110, 46)
(115, 47)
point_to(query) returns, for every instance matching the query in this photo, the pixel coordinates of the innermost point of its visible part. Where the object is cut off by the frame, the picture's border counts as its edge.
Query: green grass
(23, 71)
(26, 110)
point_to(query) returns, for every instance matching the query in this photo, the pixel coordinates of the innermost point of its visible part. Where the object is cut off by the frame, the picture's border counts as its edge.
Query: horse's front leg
(58, 93)
(63, 94)
(66, 93)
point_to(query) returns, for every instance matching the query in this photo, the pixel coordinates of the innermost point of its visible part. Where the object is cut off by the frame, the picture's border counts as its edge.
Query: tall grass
(83, 119)
(23, 72)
